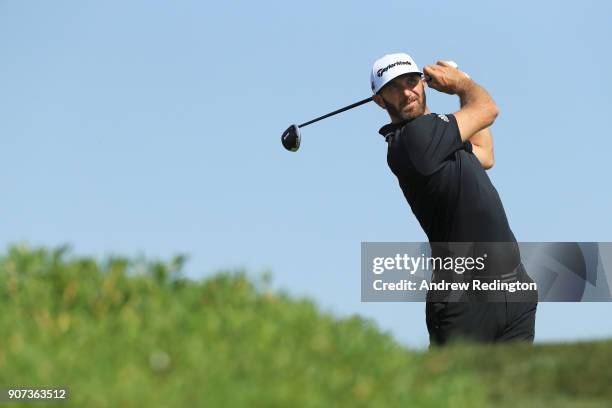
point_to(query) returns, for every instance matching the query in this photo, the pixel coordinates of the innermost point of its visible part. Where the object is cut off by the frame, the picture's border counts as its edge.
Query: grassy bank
(133, 333)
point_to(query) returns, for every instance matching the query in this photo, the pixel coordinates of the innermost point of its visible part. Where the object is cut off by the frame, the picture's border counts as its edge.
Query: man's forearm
(474, 95)
(483, 138)
(482, 147)
(482, 141)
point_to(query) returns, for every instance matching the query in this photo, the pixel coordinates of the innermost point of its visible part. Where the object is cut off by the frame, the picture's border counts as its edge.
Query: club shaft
(337, 111)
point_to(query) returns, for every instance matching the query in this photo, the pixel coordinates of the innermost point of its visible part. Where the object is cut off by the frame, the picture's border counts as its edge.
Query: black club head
(291, 138)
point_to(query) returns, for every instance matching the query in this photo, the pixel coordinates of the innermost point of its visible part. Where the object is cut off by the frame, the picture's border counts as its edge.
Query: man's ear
(379, 101)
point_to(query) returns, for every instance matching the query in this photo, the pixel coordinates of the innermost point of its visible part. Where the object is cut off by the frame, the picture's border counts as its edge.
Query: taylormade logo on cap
(389, 67)
(385, 69)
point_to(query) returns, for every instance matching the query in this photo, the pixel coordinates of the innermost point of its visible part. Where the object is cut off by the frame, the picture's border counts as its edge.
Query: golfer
(440, 162)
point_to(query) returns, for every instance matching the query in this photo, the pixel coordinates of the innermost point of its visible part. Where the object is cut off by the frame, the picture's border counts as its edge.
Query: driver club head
(291, 138)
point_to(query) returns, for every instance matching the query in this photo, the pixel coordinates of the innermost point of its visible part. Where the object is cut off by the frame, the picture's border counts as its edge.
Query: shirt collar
(392, 127)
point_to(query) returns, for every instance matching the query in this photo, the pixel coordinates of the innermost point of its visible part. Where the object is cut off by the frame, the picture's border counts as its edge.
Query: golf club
(291, 137)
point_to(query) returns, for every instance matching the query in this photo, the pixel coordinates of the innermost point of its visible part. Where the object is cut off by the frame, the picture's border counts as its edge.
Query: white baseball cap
(389, 67)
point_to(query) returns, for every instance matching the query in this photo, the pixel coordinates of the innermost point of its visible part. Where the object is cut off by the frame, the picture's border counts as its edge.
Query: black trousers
(480, 322)
(511, 317)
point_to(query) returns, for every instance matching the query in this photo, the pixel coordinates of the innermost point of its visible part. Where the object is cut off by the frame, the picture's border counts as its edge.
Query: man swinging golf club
(440, 161)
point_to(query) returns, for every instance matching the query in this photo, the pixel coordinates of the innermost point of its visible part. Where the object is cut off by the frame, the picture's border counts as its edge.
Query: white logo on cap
(443, 117)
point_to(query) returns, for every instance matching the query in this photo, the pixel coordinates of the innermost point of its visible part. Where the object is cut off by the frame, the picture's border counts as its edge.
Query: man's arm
(478, 110)
(482, 147)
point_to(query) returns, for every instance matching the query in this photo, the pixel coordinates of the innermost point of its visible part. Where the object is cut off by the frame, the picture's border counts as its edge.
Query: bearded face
(403, 97)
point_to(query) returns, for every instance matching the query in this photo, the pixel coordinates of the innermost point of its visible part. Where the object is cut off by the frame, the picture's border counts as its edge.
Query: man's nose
(408, 93)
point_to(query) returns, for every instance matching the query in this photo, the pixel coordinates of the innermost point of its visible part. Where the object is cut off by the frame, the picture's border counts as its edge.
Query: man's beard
(398, 115)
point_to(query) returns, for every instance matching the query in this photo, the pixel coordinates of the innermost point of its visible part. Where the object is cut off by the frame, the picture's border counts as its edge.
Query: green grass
(133, 333)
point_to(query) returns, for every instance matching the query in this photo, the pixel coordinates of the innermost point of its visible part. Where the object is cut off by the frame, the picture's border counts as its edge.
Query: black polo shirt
(448, 190)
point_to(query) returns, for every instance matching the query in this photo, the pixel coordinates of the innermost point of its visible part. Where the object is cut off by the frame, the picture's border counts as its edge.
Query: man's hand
(446, 78)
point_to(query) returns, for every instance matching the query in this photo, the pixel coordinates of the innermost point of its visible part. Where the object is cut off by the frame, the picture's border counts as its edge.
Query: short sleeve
(430, 140)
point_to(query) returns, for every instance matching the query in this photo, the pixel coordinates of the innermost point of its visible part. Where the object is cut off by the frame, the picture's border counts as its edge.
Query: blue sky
(150, 127)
